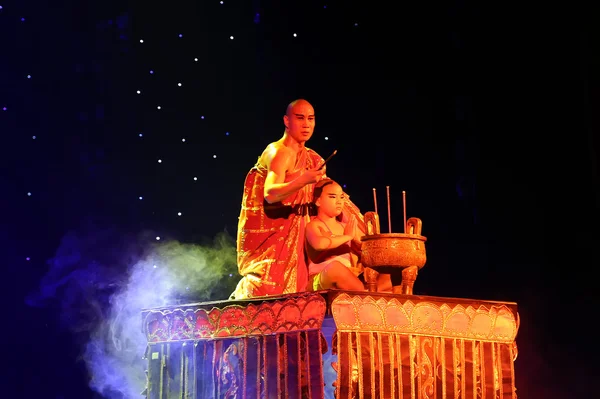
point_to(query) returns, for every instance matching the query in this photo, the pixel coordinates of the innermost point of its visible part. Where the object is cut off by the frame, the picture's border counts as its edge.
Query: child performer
(332, 247)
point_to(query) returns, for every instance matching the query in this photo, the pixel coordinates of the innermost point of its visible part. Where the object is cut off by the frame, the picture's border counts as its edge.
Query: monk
(275, 209)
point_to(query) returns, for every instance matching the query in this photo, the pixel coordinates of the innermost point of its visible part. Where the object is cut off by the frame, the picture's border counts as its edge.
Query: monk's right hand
(311, 176)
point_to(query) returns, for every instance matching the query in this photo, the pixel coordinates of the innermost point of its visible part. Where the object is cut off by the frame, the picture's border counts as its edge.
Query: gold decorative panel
(481, 321)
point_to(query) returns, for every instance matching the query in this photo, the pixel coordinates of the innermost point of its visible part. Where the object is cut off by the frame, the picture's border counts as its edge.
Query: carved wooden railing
(333, 344)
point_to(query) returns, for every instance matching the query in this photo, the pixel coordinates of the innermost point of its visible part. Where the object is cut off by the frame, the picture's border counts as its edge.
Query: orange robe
(270, 237)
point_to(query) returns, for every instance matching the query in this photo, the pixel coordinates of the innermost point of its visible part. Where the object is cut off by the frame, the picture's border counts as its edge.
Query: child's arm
(320, 242)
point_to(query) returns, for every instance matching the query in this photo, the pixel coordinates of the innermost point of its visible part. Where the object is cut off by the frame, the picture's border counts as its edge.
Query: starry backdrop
(128, 129)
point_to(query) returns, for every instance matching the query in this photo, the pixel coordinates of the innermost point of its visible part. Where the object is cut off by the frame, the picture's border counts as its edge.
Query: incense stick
(404, 206)
(375, 198)
(328, 158)
(389, 213)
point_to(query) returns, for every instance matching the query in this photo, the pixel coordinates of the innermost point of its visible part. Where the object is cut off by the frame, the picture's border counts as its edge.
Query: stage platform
(333, 344)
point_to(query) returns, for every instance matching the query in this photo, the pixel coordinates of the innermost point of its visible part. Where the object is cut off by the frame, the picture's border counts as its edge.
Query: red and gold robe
(270, 237)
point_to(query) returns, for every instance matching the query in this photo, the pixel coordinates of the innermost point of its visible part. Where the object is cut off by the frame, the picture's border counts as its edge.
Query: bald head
(299, 103)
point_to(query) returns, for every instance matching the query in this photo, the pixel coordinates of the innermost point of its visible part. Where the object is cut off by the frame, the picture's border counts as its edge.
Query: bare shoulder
(276, 151)
(315, 225)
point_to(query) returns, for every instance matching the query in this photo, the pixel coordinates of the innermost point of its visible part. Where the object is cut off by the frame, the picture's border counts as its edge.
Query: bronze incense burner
(399, 254)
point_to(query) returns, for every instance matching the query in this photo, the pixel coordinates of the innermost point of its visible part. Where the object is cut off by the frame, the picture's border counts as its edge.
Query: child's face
(331, 201)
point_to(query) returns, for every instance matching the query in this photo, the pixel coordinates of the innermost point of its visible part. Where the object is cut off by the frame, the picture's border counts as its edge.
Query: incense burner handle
(372, 223)
(414, 226)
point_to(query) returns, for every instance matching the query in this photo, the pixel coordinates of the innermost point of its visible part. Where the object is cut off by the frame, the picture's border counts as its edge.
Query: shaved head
(297, 104)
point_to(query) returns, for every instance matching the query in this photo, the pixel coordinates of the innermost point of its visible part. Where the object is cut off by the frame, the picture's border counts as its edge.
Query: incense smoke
(102, 279)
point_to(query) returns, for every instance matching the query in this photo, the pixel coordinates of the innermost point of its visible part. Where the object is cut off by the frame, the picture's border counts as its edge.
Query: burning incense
(404, 206)
(328, 159)
(375, 198)
(389, 213)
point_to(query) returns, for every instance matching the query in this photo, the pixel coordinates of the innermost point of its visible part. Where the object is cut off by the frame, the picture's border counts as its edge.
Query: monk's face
(300, 121)
(331, 201)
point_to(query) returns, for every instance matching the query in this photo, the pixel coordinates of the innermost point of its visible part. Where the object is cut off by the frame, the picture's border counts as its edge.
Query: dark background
(485, 114)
